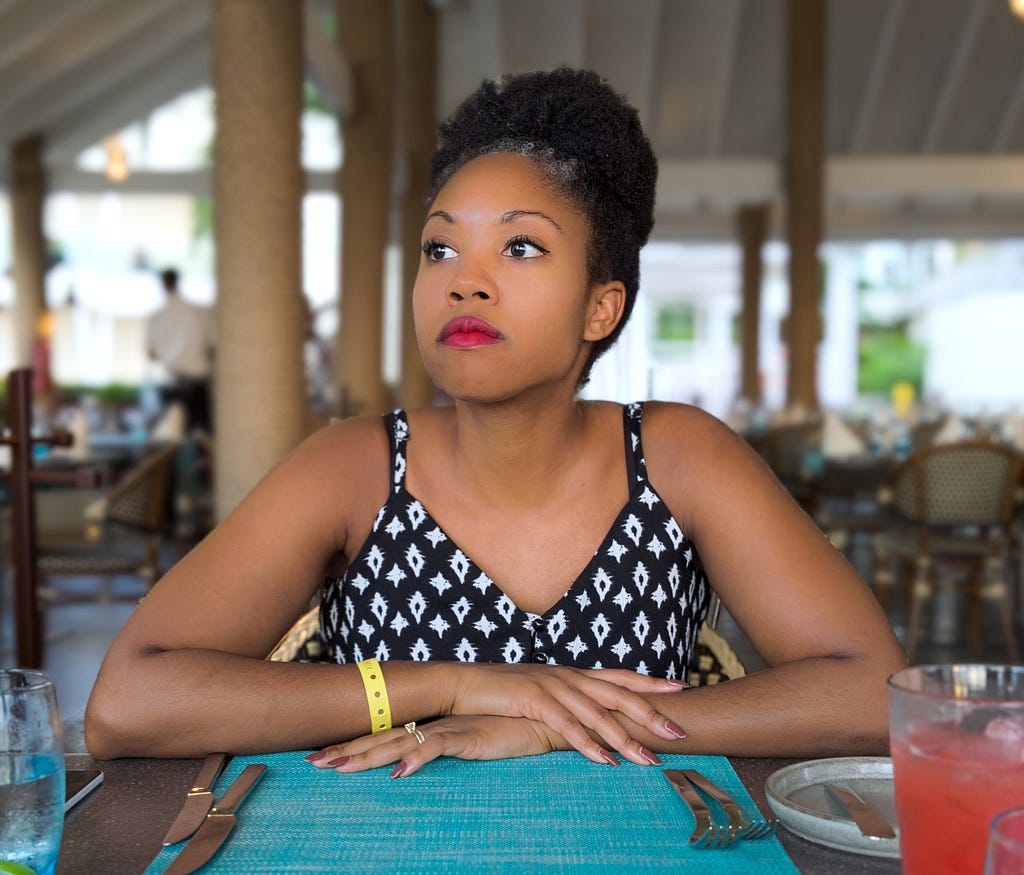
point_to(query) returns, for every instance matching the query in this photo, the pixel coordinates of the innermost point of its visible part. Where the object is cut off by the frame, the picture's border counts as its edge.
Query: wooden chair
(123, 533)
(958, 501)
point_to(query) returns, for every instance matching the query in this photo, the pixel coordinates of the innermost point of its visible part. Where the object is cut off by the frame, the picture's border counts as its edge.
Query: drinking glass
(956, 735)
(1006, 844)
(31, 773)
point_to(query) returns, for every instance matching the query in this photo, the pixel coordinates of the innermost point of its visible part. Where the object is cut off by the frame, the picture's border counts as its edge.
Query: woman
(527, 568)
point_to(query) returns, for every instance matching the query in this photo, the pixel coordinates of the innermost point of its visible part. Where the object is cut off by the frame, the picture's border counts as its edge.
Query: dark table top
(119, 827)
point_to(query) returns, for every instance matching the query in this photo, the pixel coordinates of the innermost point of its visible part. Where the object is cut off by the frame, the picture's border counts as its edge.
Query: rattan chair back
(965, 483)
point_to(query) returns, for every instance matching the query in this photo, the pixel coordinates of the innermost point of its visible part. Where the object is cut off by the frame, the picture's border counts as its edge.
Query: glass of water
(31, 773)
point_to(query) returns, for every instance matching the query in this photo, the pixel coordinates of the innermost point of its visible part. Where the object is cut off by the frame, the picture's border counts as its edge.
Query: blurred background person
(180, 337)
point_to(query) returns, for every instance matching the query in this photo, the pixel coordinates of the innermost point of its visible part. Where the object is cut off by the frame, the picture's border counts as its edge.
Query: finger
(586, 718)
(593, 698)
(378, 752)
(638, 683)
(324, 757)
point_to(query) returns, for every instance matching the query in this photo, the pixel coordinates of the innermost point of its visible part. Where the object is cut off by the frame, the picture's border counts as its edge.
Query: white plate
(797, 796)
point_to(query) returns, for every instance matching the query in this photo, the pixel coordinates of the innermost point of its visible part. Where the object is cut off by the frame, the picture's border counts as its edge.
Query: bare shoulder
(673, 429)
(694, 458)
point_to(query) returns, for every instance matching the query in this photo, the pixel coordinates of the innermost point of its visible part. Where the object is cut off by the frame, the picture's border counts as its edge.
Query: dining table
(545, 814)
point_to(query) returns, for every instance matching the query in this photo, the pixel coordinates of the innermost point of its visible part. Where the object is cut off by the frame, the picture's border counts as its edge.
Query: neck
(513, 452)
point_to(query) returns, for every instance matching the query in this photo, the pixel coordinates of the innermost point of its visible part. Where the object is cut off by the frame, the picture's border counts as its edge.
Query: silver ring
(412, 730)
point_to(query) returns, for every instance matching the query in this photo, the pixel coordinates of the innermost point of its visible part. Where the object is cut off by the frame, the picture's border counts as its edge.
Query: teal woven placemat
(556, 813)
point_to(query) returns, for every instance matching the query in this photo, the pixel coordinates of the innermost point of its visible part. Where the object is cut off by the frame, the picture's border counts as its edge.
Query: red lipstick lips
(468, 331)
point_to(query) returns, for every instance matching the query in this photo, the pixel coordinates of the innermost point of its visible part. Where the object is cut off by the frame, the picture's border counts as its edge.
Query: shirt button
(540, 656)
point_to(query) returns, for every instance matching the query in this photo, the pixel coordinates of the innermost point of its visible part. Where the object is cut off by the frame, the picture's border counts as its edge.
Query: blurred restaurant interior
(836, 269)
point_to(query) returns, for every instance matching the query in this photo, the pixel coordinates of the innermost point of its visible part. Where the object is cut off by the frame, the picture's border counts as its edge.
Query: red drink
(957, 740)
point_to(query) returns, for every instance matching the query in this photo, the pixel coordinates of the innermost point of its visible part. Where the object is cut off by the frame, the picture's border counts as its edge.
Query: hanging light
(117, 161)
(1017, 7)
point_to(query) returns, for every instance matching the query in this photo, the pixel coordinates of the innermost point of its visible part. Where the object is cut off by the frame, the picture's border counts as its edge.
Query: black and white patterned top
(412, 594)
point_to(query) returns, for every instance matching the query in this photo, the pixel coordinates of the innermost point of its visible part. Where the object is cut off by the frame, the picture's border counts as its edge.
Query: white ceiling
(925, 121)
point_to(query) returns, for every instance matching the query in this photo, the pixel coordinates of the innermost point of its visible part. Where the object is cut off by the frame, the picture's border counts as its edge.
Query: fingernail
(340, 761)
(677, 683)
(609, 757)
(399, 770)
(675, 730)
(315, 756)
(650, 757)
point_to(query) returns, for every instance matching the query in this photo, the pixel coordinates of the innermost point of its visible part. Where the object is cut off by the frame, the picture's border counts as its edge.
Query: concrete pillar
(259, 391)
(417, 72)
(753, 226)
(804, 176)
(367, 41)
(28, 194)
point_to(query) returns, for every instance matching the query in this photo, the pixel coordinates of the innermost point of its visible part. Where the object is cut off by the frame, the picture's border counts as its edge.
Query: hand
(468, 738)
(576, 704)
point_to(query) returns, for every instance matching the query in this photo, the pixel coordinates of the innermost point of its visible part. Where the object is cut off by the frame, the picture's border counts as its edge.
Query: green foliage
(108, 395)
(202, 218)
(887, 355)
(676, 322)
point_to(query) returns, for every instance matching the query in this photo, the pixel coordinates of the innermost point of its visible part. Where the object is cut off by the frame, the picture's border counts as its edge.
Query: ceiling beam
(102, 74)
(184, 68)
(68, 54)
(947, 92)
(876, 77)
(1011, 115)
(27, 24)
(720, 99)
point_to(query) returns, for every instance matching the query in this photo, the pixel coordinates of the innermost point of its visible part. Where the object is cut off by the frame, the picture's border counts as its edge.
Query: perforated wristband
(376, 694)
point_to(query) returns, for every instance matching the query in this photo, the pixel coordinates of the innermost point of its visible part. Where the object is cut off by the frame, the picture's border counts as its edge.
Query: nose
(471, 280)
(457, 295)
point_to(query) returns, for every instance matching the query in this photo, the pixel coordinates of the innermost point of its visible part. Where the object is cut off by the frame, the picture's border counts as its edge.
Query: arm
(828, 645)
(186, 674)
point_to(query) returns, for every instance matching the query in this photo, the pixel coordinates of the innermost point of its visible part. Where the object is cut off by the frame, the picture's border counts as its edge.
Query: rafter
(965, 44)
(879, 68)
(181, 69)
(101, 72)
(720, 100)
(1011, 115)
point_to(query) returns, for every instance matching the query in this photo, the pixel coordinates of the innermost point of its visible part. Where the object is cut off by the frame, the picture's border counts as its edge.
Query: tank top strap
(636, 465)
(397, 426)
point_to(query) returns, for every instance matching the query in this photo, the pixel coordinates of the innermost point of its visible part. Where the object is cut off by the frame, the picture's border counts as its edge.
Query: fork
(706, 833)
(756, 828)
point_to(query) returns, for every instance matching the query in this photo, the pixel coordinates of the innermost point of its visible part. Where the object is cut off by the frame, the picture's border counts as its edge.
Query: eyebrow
(505, 219)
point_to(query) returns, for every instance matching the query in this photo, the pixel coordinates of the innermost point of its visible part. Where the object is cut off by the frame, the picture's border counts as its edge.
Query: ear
(607, 301)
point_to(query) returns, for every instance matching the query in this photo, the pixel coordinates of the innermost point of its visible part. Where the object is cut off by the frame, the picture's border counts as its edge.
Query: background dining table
(118, 828)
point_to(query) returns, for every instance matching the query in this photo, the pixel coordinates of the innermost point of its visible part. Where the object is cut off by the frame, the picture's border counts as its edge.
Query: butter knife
(198, 801)
(870, 822)
(217, 825)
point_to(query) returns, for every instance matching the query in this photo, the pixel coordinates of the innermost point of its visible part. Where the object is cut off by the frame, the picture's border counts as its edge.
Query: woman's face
(502, 303)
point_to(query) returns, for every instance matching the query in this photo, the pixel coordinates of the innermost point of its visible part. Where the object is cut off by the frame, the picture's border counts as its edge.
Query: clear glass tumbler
(1006, 844)
(956, 737)
(31, 773)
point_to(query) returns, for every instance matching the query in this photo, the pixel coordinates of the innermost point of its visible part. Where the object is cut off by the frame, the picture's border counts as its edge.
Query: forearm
(190, 702)
(814, 707)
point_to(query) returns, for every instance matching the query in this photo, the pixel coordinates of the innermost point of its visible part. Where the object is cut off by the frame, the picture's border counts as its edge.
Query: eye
(523, 247)
(435, 250)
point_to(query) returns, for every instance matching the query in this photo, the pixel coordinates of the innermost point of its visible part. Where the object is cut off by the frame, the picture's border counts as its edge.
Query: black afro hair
(588, 141)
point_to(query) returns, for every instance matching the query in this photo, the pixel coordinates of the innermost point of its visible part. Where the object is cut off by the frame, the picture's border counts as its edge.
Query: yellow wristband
(376, 694)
